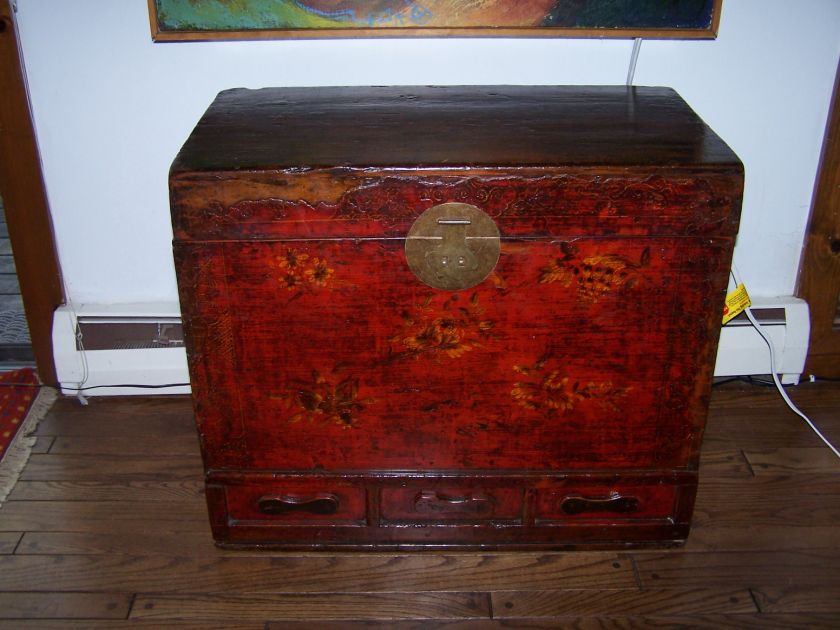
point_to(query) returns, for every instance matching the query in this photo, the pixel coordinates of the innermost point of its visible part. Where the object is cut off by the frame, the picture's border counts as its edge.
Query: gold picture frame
(202, 20)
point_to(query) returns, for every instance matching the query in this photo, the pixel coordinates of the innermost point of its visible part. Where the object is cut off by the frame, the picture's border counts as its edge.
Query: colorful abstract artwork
(205, 19)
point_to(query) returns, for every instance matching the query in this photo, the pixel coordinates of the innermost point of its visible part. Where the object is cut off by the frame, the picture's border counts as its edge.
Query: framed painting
(180, 20)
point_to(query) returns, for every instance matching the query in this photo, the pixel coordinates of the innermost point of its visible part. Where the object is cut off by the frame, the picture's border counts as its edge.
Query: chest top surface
(450, 127)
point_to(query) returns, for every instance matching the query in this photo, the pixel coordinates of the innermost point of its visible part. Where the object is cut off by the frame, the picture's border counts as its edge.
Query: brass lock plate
(453, 246)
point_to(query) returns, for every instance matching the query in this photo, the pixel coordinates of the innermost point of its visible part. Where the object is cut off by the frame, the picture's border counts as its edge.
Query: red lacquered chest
(452, 317)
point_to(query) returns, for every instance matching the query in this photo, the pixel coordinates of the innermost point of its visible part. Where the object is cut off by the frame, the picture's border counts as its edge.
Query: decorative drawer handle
(322, 503)
(430, 501)
(617, 504)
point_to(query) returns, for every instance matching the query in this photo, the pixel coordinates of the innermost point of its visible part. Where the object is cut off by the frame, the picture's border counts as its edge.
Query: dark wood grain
(139, 542)
(170, 415)
(184, 445)
(713, 536)
(728, 503)
(787, 568)
(619, 622)
(103, 516)
(121, 468)
(649, 603)
(187, 490)
(391, 606)
(8, 542)
(25, 200)
(782, 460)
(819, 599)
(305, 573)
(153, 624)
(42, 444)
(810, 567)
(701, 622)
(449, 127)
(64, 606)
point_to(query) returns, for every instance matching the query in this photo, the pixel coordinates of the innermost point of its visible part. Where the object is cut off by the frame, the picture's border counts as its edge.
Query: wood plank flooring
(107, 529)
(14, 334)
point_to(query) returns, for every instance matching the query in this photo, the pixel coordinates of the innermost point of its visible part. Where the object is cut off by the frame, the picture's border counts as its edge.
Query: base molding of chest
(468, 510)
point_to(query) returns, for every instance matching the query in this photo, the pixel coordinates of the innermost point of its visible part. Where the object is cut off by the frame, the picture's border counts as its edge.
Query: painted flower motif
(298, 271)
(552, 392)
(319, 273)
(451, 330)
(291, 260)
(595, 275)
(321, 400)
(290, 281)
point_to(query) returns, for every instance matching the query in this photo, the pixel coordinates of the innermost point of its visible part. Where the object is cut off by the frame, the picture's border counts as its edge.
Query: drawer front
(297, 502)
(450, 504)
(612, 502)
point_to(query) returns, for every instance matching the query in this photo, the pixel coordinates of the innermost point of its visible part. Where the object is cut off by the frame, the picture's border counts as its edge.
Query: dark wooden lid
(433, 127)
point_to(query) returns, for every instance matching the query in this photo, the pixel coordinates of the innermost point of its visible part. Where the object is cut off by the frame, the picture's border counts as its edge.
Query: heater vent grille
(108, 333)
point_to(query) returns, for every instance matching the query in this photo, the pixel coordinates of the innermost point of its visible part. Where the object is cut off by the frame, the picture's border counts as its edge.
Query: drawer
(605, 502)
(451, 504)
(297, 502)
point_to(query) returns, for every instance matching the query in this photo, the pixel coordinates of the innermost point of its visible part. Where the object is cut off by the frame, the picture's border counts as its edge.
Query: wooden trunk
(343, 402)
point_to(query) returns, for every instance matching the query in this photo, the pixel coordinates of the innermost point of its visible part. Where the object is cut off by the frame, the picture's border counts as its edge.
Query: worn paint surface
(564, 397)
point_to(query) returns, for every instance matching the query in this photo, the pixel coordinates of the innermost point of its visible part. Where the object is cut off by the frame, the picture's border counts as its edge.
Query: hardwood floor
(107, 529)
(15, 345)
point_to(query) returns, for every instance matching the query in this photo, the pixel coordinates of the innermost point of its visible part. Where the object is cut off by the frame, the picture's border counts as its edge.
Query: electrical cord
(816, 377)
(82, 389)
(776, 381)
(634, 58)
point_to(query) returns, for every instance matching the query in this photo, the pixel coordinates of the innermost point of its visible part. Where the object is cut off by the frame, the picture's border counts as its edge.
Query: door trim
(25, 199)
(819, 273)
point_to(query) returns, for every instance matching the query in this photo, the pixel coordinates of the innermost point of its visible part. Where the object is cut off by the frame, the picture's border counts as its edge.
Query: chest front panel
(343, 359)
(570, 355)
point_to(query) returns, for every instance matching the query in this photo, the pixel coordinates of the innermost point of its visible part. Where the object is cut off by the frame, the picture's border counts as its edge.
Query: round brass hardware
(453, 246)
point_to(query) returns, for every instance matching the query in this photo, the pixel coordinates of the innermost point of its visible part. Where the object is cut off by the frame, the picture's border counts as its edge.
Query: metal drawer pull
(322, 503)
(430, 501)
(615, 503)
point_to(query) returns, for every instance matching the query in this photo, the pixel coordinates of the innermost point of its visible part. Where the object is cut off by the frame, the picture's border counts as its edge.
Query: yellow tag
(736, 302)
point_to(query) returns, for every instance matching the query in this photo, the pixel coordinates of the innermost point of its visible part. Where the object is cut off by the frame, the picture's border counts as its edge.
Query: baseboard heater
(106, 347)
(109, 346)
(742, 351)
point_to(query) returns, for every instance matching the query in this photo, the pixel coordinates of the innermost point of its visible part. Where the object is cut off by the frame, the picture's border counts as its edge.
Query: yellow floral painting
(450, 330)
(547, 388)
(298, 271)
(322, 400)
(595, 275)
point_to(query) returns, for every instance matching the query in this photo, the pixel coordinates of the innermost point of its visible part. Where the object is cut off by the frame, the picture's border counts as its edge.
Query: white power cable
(634, 58)
(760, 330)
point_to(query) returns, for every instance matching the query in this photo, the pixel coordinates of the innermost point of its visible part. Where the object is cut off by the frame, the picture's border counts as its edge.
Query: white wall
(112, 108)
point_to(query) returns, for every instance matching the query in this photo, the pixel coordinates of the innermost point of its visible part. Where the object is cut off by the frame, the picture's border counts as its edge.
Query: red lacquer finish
(342, 402)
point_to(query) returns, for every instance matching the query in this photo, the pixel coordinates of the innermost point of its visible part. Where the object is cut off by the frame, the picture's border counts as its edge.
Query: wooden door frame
(819, 273)
(25, 199)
